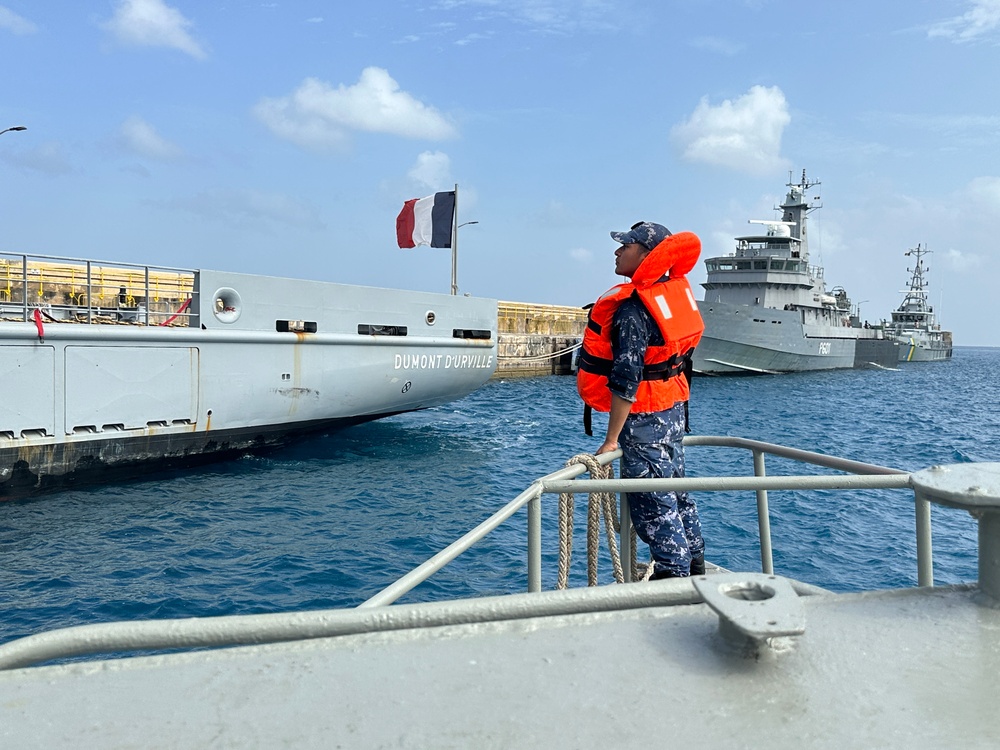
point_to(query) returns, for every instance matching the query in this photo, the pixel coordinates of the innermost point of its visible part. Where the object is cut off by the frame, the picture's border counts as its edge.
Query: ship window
(777, 264)
(742, 265)
(366, 329)
(760, 265)
(471, 333)
(295, 326)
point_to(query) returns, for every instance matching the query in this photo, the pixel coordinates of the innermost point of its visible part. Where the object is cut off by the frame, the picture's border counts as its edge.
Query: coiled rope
(597, 503)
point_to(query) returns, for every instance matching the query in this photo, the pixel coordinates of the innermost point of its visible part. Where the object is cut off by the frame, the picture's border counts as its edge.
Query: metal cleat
(752, 607)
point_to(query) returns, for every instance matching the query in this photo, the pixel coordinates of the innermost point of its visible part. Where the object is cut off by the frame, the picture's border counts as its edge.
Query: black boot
(659, 575)
(698, 564)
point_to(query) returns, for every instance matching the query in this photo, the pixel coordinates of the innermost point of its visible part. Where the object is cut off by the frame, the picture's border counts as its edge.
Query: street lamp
(16, 127)
(454, 251)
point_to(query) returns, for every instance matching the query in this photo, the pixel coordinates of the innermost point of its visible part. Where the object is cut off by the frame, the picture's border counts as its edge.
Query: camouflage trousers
(666, 521)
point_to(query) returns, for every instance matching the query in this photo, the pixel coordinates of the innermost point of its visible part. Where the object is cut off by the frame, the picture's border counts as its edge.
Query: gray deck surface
(908, 669)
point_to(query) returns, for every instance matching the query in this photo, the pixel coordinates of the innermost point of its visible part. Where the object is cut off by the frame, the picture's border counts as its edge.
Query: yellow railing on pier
(87, 291)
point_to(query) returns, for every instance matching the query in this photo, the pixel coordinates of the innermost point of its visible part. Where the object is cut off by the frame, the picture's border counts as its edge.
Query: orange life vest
(667, 371)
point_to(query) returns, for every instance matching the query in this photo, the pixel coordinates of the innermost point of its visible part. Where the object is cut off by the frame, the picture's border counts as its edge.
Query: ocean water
(331, 521)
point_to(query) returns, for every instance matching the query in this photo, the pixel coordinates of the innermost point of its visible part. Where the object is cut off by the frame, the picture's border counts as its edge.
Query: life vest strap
(676, 365)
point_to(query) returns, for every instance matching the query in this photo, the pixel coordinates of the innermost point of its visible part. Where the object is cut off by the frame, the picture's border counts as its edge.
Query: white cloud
(318, 116)
(542, 16)
(141, 138)
(581, 255)
(961, 262)
(240, 206)
(742, 134)
(152, 23)
(984, 193)
(14, 23)
(980, 20)
(432, 170)
(49, 158)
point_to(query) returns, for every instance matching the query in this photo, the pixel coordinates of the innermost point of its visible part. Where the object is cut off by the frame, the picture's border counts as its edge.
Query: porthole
(430, 317)
(228, 305)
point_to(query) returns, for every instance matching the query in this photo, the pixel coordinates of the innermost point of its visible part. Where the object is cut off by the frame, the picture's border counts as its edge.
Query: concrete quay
(537, 339)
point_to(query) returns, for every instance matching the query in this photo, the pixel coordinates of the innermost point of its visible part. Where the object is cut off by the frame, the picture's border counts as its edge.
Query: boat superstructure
(109, 366)
(755, 659)
(767, 308)
(913, 323)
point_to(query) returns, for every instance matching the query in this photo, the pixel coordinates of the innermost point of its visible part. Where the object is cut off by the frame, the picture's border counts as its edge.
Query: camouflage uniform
(651, 447)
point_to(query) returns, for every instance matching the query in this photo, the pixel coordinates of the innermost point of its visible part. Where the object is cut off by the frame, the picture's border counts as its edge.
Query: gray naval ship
(913, 323)
(767, 309)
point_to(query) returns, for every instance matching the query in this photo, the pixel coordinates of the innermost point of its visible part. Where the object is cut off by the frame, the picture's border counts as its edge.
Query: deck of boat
(909, 669)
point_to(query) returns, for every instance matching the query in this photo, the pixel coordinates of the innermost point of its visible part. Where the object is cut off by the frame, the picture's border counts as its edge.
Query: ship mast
(916, 295)
(796, 207)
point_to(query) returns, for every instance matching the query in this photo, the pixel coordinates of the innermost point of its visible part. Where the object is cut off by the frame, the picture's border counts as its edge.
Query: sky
(282, 138)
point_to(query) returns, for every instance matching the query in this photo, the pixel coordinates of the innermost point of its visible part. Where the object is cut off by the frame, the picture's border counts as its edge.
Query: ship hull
(88, 401)
(916, 350)
(744, 340)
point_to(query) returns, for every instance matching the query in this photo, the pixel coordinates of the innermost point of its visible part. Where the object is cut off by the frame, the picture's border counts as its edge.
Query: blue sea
(331, 521)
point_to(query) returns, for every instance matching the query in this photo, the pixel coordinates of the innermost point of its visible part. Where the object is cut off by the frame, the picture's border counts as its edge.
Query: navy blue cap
(646, 233)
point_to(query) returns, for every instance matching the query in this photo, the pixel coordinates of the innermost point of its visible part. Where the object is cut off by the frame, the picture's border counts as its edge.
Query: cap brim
(623, 238)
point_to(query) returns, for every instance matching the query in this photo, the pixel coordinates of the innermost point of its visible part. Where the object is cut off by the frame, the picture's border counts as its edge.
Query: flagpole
(454, 245)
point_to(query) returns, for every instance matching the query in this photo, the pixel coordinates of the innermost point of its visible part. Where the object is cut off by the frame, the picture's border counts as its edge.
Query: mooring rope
(598, 503)
(542, 357)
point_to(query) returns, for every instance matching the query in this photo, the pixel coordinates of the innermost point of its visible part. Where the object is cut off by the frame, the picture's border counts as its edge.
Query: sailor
(635, 364)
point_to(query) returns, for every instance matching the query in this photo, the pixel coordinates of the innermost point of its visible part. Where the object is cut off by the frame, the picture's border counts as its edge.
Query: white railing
(860, 476)
(972, 487)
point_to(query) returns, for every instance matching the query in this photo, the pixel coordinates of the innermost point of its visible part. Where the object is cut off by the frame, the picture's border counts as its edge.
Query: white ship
(107, 367)
(767, 308)
(913, 323)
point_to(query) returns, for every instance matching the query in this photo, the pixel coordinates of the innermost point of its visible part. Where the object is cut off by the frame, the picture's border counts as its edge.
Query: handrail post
(625, 537)
(535, 543)
(763, 516)
(24, 283)
(90, 295)
(145, 301)
(925, 555)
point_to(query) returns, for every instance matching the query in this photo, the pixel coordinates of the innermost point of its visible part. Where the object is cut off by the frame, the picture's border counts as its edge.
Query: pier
(537, 339)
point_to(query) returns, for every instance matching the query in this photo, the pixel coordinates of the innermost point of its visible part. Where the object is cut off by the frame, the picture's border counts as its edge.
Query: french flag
(426, 221)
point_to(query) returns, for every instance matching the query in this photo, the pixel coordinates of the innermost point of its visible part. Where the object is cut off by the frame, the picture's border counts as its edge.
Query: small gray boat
(767, 308)
(913, 323)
